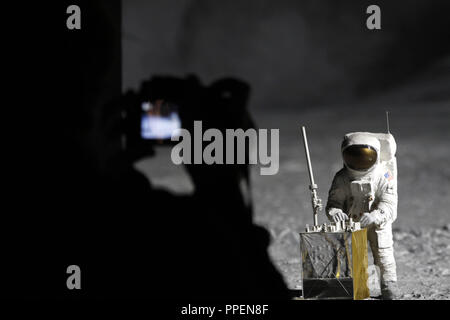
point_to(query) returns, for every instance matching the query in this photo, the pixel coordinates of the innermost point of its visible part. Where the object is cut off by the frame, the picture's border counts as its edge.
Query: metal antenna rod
(316, 202)
(308, 158)
(387, 121)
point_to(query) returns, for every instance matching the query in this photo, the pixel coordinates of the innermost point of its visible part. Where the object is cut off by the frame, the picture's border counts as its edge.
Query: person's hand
(337, 215)
(368, 219)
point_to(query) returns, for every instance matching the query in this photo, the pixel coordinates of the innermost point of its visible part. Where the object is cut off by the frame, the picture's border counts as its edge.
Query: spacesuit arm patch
(388, 201)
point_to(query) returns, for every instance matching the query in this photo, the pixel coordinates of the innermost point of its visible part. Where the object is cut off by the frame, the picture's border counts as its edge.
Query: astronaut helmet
(360, 152)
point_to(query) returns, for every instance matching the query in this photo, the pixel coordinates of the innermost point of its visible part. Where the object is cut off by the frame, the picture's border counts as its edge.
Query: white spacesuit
(366, 190)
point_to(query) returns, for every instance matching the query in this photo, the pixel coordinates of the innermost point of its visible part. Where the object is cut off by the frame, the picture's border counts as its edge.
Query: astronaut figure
(366, 190)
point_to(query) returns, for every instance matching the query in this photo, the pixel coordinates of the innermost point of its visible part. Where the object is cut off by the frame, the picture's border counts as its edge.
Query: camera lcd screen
(159, 120)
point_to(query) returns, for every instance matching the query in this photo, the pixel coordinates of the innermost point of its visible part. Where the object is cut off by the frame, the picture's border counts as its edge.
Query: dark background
(293, 53)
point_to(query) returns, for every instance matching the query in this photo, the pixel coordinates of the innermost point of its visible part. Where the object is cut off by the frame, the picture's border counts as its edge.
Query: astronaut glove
(369, 218)
(337, 215)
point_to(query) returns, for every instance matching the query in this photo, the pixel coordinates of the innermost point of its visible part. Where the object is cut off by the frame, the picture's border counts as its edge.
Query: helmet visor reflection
(359, 157)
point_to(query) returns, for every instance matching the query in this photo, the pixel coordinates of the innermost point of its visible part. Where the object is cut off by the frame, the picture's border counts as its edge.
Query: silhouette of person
(86, 205)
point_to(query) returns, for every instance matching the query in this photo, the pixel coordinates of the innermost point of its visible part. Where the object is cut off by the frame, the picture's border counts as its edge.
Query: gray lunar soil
(420, 123)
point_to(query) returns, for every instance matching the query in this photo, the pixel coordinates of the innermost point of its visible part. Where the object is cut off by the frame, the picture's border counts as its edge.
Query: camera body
(165, 104)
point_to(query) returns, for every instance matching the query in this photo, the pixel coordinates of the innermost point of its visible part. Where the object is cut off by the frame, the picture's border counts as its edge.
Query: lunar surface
(419, 121)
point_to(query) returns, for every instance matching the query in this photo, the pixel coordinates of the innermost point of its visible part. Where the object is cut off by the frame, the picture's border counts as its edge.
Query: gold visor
(359, 157)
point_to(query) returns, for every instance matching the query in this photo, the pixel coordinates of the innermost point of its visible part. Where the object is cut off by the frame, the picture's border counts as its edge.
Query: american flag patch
(388, 176)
